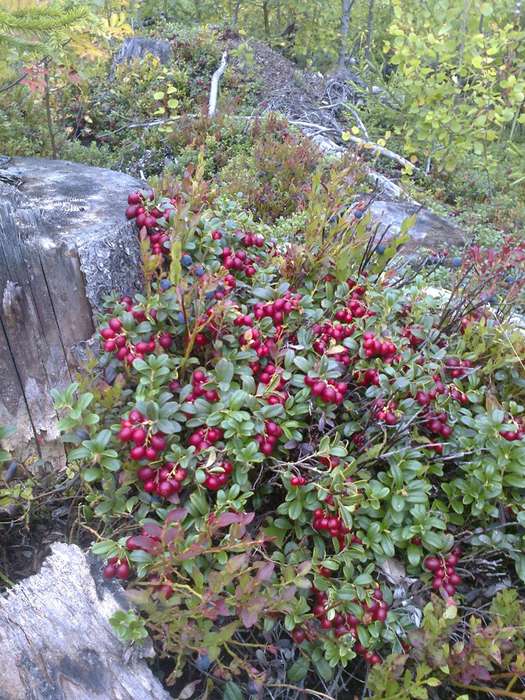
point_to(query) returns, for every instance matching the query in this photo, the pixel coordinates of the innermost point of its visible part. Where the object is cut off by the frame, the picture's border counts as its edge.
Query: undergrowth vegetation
(305, 465)
(299, 448)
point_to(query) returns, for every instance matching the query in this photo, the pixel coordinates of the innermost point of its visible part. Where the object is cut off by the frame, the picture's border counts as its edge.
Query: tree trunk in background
(369, 28)
(266, 17)
(346, 9)
(235, 14)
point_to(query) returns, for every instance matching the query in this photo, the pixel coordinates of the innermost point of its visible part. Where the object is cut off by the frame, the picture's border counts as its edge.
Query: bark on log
(56, 642)
(64, 245)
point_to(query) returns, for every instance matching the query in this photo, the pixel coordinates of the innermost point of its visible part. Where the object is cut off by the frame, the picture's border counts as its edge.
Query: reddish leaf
(226, 519)
(236, 563)
(248, 616)
(147, 544)
(193, 551)
(266, 571)
(176, 515)
(153, 530)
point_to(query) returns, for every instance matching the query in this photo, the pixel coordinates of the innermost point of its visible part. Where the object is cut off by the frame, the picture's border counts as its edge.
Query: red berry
(109, 571)
(138, 453)
(122, 571)
(145, 473)
(298, 635)
(432, 564)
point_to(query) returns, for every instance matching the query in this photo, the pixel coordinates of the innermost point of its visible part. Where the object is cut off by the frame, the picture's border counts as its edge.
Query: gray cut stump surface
(56, 642)
(64, 244)
(136, 47)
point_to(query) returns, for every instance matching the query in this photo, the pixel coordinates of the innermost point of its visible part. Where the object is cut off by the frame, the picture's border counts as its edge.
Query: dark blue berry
(165, 284)
(199, 271)
(186, 260)
(203, 662)
(456, 262)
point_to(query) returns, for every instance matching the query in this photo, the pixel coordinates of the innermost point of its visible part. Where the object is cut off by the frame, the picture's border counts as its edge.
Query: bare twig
(214, 88)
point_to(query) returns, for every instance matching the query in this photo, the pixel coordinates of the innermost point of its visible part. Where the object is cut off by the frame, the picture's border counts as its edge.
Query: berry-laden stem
(498, 692)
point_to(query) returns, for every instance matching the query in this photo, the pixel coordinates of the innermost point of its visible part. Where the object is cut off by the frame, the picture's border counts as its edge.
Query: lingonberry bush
(289, 440)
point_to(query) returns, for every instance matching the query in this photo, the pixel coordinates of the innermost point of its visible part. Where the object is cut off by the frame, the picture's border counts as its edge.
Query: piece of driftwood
(56, 642)
(64, 245)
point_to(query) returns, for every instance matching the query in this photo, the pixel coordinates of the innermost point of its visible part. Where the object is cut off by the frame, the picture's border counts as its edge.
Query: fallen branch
(214, 87)
(370, 145)
(358, 119)
(381, 150)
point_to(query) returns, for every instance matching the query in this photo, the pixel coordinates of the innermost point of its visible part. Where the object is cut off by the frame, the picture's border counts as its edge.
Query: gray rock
(430, 230)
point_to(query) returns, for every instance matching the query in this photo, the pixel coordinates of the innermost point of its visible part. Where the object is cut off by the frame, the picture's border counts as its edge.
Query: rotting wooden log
(56, 641)
(64, 245)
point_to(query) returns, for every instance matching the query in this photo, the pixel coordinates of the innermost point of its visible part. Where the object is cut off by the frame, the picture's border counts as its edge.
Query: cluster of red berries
(437, 423)
(252, 338)
(268, 442)
(277, 310)
(330, 391)
(115, 340)
(117, 568)
(444, 571)
(280, 398)
(414, 340)
(148, 445)
(332, 331)
(165, 482)
(265, 374)
(197, 381)
(238, 261)
(217, 476)
(324, 520)
(384, 411)
(347, 623)
(367, 377)
(148, 219)
(457, 368)
(373, 347)
(243, 320)
(137, 202)
(202, 438)
(297, 481)
(253, 239)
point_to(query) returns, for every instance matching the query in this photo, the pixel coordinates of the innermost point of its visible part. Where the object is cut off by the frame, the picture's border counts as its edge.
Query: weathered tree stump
(56, 641)
(136, 47)
(64, 245)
